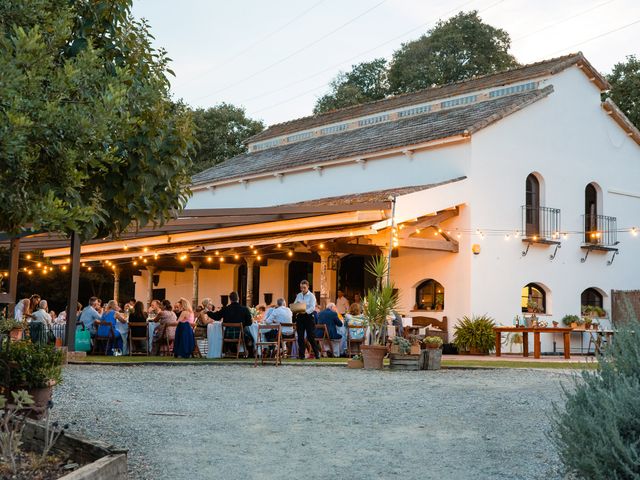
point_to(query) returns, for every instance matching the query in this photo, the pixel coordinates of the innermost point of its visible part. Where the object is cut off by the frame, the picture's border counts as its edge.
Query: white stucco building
(509, 188)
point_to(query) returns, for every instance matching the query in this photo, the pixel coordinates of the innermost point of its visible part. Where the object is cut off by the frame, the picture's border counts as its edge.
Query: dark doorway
(242, 284)
(298, 271)
(353, 278)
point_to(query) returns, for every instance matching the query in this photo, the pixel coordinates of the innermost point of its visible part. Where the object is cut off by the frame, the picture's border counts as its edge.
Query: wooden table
(566, 332)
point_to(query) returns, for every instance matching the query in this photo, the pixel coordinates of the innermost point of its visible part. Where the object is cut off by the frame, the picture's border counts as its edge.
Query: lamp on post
(332, 261)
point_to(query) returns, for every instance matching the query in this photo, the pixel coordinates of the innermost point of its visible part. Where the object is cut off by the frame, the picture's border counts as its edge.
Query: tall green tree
(89, 139)
(625, 87)
(367, 81)
(456, 49)
(221, 132)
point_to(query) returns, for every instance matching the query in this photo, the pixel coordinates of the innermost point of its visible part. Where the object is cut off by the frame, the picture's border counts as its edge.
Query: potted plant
(380, 302)
(355, 362)
(571, 321)
(532, 306)
(600, 312)
(11, 327)
(414, 344)
(555, 324)
(34, 368)
(587, 322)
(400, 345)
(432, 342)
(439, 301)
(475, 335)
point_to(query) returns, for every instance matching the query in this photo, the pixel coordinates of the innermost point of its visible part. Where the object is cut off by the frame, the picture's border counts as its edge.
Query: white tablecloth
(214, 336)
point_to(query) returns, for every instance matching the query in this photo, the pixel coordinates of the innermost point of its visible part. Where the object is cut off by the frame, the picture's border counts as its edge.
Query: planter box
(355, 363)
(432, 358)
(415, 349)
(399, 361)
(102, 461)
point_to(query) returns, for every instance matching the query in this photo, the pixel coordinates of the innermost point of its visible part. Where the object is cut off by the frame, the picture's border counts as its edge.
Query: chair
(132, 328)
(167, 348)
(324, 338)
(263, 344)
(107, 340)
(196, 349)
(420, 322)
(237, 329)
(288, 342)
(354, 341)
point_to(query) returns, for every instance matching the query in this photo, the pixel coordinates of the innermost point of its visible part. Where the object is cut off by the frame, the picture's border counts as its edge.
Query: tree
(89, 139)
(221, 132)
(367, 81)
(625, 88)
(457, 49)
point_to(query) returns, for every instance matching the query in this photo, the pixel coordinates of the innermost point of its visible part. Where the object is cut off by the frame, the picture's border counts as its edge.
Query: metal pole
(73, 293)
(393, 225)
(14, 252)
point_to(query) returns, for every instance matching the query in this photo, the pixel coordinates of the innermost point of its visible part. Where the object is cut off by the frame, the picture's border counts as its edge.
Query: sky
(275, 58)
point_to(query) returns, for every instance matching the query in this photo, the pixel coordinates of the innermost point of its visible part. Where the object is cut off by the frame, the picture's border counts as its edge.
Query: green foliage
(380, 301)
(457, 49)
(475, 333)
(221, 132)
(597, 432)
(367, 81)
(569, 319)
(404, 345)
(12, 418)
(8, 324)
(31, 365)
(625, 87)
(89, 138)
(432, 342)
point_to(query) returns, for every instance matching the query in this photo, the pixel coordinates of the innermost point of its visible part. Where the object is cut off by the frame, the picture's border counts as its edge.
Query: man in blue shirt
(90, 315)
(305, 322)
(279, 315)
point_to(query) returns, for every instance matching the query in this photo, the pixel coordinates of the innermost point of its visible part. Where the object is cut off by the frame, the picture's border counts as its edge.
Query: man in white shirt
(342, 304)
(279, 315)
(305, 322)
(41, 315)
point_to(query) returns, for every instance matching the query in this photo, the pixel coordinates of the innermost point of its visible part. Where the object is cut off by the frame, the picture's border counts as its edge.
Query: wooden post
(14, 259)
(196, 283)
(116, 283)
(150, 270)
(250, 262)
(73, 293)
(324, 278)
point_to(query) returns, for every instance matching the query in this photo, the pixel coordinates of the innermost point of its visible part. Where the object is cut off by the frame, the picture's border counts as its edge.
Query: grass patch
(519, 364)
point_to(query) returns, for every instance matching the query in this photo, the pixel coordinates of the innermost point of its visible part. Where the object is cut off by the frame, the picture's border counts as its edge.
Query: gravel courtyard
(238, 422)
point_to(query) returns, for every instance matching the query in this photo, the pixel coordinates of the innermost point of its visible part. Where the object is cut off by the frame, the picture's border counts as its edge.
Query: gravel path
(317, 423)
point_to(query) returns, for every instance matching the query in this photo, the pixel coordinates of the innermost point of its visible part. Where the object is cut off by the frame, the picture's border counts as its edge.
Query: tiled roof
(368, 140)
(518, 74)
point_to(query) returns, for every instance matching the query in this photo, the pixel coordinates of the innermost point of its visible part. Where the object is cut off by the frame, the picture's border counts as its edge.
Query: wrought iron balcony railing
(600, 230)
(541, 223)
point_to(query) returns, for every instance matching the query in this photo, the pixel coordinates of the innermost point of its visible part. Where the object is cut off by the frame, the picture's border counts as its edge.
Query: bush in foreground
(598, 432)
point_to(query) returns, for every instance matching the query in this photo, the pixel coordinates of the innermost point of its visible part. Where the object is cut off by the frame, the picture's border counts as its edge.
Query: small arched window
(430, 295)
(534, 299)
(532, 202)
(590, 214)
(591, 298)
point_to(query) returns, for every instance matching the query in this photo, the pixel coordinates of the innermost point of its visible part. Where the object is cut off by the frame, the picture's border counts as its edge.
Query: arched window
(534, 298)
(430, 295)
(592, 298)
(590, 214)
(532, 202)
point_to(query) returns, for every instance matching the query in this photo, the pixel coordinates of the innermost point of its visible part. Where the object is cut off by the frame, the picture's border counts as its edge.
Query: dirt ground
(240, 422)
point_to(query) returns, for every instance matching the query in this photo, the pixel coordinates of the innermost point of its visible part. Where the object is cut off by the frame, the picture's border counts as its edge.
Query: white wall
(426, 167)
(273, 280)
(570, 141)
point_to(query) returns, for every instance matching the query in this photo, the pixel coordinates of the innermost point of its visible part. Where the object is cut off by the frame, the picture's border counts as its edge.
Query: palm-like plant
(380, 301)
(475, 333)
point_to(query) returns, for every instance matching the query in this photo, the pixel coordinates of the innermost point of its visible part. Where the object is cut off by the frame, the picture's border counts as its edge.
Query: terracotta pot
(41, 397)
(415, 349)
(476, 351)
(555, 324)
(373, 356)
(433, 346)
(395, 348)
(16, 334)
(574, 325)
(355, 363)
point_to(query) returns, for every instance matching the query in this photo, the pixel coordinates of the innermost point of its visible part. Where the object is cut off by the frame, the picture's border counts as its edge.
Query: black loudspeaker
(156, 280)
(268, 298)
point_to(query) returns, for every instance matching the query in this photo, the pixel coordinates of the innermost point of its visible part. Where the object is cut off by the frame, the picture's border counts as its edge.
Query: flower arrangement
(254, 312)
(432, 342)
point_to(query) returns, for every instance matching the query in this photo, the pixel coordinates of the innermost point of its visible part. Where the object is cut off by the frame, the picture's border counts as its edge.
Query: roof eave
(621, 119)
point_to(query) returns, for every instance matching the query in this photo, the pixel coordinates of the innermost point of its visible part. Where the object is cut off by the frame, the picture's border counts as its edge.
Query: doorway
(353, 278)
(242, 284)
(298, 271)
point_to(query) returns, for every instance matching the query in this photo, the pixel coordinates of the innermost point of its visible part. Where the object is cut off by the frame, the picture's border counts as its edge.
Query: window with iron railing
(541, 223)
(600, 230)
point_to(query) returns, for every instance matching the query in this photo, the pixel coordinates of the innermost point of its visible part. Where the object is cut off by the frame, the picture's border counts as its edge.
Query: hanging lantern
(332, 261)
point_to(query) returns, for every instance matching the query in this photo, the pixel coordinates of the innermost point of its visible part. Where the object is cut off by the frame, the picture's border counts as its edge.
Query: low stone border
(104, 462)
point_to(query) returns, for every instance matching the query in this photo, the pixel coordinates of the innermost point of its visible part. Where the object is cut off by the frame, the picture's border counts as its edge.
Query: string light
(144, 261)
(30, 272)
(38, 264)
(28, 256)
(290, 253)
(183, 257)
(221, 259)
(145, 249)
(89, 269)
(64, 268)
(279, 245)
(255, 252)
(259, 258)
(236, 256)
(634, 231)
(507, 237)
(155, 256)
(125, 247)
(565, 236)
(135, 263)
(209, 259)
(321, 246)
(83, 264)
(217, 252)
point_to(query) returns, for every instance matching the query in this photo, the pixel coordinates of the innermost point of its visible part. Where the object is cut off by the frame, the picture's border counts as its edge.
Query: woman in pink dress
(186, 312)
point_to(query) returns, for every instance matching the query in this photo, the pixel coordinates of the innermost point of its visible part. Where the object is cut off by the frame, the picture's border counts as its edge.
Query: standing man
(305, 322)
(342, 304)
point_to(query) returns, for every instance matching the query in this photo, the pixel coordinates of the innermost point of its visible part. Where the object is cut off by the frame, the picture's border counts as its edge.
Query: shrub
(475, 333)
(569, 319)
(597, 432)
(404, 345)
(432, 342)
(32, 366)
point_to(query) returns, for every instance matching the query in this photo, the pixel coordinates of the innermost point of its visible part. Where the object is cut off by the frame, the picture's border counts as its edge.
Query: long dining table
(537, 331)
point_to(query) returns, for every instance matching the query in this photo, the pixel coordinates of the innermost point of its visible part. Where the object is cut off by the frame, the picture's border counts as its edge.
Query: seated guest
(166, 316)
(90, 315)
(155, 307)
(138, 315)
(42, 314)
(112, 315)
(329, 317)
(279, 315)
(355, 318)
(262, 310)
(186, 312)
(235, 313)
